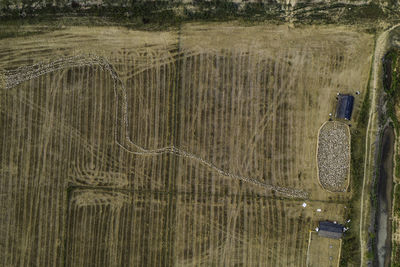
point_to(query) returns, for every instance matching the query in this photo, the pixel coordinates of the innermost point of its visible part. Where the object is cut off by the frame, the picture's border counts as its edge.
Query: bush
(351, 242)
(397, 170)
(396, 255)
(391, 81)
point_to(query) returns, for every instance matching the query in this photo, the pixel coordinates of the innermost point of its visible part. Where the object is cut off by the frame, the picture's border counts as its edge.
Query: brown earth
(94, 173)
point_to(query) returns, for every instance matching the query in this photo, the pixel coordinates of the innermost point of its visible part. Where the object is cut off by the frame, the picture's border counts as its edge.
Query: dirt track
(380, 49)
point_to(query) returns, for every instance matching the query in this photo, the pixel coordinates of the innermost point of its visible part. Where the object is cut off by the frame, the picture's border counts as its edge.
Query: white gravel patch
(334, 156)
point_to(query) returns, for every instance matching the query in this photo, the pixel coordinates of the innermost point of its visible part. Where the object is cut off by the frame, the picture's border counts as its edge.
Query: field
(323, 251)
(133, 148)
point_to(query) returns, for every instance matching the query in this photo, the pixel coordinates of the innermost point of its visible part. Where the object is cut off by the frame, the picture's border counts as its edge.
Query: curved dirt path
(380, 49)
(15, 77)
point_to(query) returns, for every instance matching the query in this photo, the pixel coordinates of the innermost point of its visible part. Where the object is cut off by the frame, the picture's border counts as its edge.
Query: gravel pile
(334, 156)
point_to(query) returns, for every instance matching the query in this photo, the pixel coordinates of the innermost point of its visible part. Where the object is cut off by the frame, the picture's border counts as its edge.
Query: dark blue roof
(331, 227)
(344, 107)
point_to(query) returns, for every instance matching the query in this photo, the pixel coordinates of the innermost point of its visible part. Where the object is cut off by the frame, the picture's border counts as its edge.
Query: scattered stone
(334, 156)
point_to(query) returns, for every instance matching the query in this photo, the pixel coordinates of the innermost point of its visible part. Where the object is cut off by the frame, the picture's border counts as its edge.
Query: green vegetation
(371, 11)
(161, 15)
(396, 255)
(158, 13)
(392, 87)
(17, 28)
(396, 207)
(351, 241)
(370, 255)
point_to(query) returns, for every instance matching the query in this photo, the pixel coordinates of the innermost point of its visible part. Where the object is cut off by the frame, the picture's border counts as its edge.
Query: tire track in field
(15, 77)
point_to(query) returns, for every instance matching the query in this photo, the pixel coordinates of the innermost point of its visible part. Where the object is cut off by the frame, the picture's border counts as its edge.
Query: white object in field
(338, 94)
(304, 205)
(330, 114)
(348, 220)
(334, 222)
(317, 229)
(319, 210)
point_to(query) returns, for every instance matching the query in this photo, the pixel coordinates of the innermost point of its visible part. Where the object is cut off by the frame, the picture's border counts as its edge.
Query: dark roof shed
(344, 107)
(330, 230)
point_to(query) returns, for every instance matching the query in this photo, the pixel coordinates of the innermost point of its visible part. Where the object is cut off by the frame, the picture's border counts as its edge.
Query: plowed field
(190, 147)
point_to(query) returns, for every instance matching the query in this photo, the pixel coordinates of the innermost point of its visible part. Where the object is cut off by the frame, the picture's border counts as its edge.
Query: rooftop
(344, 107)
(330, 229)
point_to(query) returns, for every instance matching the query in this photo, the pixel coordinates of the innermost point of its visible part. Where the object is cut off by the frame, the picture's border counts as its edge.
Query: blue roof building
(330, 230)
(344, 107)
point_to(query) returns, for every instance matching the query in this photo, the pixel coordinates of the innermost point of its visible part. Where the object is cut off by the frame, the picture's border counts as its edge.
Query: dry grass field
(323, 251)
(187, 148)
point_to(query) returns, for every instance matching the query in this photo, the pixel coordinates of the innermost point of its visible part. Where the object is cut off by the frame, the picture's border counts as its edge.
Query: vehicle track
(15, 77)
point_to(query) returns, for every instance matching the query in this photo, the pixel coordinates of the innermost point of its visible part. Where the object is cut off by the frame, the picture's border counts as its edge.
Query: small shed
(330, 230)
(344, 107)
